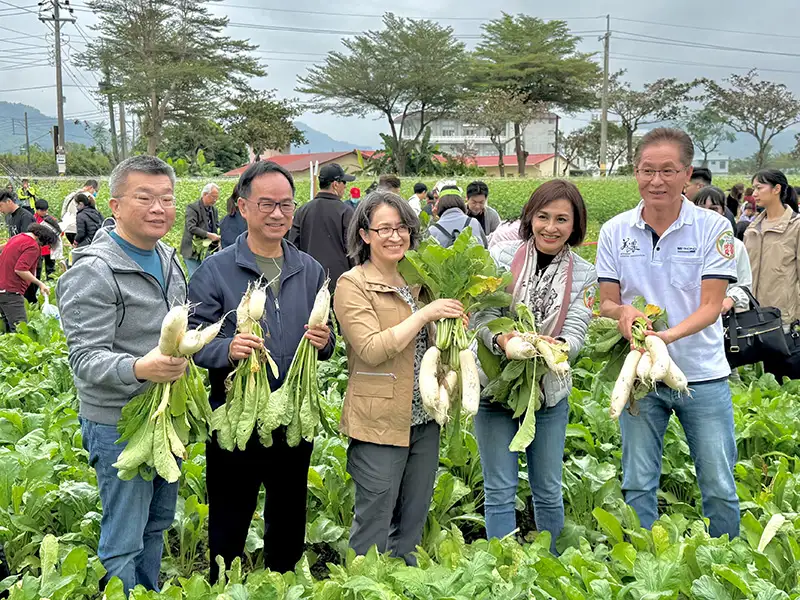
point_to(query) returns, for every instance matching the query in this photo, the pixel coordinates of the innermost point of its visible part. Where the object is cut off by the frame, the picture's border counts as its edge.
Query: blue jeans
(495, 427)
(707, 420)
(191, 266)
(135, 512)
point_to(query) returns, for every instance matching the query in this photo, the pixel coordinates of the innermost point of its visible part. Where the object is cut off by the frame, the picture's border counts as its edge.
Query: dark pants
(233, 480)
(13, 307)
(70, 237)
(47, 266)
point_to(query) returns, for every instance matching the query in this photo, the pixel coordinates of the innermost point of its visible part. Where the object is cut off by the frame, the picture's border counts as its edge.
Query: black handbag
(754, 335)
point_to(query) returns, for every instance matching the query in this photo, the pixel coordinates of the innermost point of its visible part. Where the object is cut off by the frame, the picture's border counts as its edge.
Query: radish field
(50, 509)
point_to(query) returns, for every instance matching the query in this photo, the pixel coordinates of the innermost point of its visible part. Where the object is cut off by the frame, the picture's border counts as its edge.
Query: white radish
(322, 306)
(559, 368)
(675, 378)
(470, 382)
(518, 349)
(441, 407)
(450, 381)
(258, 301)
(659, 356)
(624, 384)
(191, 342)
(428, 384)
(172, 328)
(643, 368)
(243, 312)
(208, 334)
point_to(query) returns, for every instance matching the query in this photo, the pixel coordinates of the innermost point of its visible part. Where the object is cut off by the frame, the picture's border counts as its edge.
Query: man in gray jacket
(202, 223)
(112, 302)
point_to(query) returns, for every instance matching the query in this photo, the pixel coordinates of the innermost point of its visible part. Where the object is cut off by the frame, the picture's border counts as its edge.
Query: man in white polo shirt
(680, 257)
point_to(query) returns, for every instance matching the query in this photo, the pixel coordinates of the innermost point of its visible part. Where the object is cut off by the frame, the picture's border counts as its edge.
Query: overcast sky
(764, 27)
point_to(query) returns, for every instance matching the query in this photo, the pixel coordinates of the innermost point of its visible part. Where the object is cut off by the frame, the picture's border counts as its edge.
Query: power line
(667, 41)
(705, 29)
(22, 8)
(668, 61)
(25, 33)
(25, 44)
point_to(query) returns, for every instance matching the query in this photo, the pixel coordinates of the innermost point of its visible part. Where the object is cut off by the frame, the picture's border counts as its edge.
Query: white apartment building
(456, 136)
(718, 164)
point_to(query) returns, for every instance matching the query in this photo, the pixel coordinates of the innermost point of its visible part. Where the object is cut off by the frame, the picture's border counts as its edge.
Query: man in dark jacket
(233, 479)
(320, 227)
(202, 223)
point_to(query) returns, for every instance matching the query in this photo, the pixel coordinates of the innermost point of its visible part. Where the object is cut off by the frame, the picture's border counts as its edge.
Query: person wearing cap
(320, 226)
(355, 197)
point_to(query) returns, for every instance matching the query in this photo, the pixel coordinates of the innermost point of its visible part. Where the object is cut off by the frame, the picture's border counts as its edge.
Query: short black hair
(420, 187)
(6, 196)
(42, 205)
(257, 169)
(389, 181)
(92, 183)
(85, 199)
(449, 201)
(477, 188)
(43, 234)
(702, 174)
(710, 192)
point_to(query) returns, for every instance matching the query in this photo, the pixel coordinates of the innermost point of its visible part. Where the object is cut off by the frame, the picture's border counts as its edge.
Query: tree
(538, 61)
(747, 104)
(167, 59)
(661, 100)
(585, 143)
(263, 122)
(184, 140)
(493, 110)
(408, 68)
(708, 130)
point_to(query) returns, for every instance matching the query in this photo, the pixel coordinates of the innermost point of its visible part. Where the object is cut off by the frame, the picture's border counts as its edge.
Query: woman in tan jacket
(394, 445)
(773, 243)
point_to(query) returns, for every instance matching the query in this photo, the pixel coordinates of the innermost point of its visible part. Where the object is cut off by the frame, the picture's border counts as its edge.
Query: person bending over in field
(112, 303)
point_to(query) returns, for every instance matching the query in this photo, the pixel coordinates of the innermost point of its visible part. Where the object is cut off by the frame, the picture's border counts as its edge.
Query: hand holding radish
(627, 318)
(158, 368)
(318, 335)
(243, 344)
(444, 308)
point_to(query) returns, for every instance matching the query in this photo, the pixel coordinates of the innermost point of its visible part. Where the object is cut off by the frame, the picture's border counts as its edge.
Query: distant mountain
(321, 142)
(746, 145)
(12, 128)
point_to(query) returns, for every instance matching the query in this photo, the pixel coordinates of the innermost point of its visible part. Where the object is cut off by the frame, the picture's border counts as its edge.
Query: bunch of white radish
(645, 366)
(297, 403)
(160, 423)
(515, 379)
(439, 383)
(248, 390)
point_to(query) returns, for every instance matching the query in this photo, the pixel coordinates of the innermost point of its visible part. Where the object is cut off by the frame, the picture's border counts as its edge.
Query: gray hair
(151, 165)
(357, 248)
(667, 135)
(209, 187)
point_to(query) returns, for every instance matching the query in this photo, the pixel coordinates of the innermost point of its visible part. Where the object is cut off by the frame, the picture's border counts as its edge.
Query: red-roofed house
(536, 165)
(298, 164)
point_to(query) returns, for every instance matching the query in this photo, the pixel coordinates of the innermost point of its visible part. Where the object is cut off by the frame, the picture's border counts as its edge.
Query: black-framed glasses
(666, 174)
(386, 232)
(268, 207)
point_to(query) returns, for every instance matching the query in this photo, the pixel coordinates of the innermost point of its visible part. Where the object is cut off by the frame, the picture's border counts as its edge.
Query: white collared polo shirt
(668, 271)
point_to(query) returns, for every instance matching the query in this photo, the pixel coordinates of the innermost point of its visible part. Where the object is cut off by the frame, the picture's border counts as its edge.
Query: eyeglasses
(267, 207)
(386, 232)
(147, 200)
(666, 174)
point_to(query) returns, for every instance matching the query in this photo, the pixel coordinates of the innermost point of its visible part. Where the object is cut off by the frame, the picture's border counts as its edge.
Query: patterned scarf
(545, 293)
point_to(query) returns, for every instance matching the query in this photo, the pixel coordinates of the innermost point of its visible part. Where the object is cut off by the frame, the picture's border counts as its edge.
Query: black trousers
(13, 308)
(233, 480)
(47, 266)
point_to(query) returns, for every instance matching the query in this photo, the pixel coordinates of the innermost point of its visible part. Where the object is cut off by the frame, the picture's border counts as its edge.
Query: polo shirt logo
(687, 249)
(725, 245)
(630, 246)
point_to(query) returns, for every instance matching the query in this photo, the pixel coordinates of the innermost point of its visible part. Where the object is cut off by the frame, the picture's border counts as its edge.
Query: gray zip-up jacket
(579, 313)
(111, 312)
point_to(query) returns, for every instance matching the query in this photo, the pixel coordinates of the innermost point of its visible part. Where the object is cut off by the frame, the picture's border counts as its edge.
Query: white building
(456, 136)
(718, 164)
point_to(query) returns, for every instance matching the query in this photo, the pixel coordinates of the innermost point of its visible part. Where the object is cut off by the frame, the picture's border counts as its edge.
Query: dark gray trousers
(394, 487)
(13, 307)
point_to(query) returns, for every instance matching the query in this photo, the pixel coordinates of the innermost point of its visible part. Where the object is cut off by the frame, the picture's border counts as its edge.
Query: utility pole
(604, 100)
(555, 151)
(27, 143)
(57, 19)
(123, 131)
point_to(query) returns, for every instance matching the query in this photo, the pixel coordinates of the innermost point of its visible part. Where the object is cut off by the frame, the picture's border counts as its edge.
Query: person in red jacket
(49, 255)
(18, 264)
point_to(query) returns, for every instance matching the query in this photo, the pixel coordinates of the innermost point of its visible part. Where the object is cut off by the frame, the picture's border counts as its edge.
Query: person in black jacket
(233, 224)
(89, 220)
(320, 227)
(17, 218)
(202, 222)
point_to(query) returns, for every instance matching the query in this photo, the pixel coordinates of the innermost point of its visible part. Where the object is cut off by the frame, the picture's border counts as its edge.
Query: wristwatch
(495, 347)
